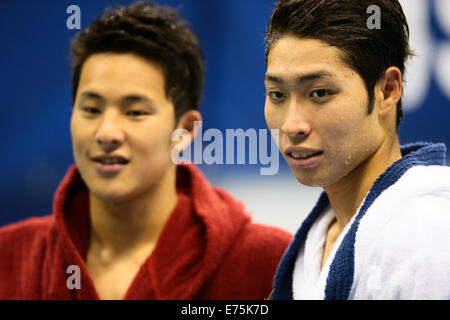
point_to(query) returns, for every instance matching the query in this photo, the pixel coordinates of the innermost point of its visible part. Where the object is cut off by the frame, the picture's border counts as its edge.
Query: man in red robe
(128, 223)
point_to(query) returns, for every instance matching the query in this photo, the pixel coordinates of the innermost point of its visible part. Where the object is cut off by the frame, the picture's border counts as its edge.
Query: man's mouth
(303, 158)
(304, 154)
(110, 164)
(111, 159)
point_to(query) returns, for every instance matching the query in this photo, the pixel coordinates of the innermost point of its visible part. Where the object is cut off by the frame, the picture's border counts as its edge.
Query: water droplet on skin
(347, 161)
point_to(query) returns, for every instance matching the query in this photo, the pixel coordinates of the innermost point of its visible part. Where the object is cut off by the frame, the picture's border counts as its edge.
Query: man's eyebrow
(300, 79)
(131, 98)
(136, 98)
(91, 95)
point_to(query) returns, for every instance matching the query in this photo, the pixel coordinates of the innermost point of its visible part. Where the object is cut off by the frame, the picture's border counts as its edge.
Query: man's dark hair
(156, 33)
(343, 24)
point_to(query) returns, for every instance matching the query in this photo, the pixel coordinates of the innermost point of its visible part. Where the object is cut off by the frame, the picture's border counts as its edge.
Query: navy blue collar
(340, 276)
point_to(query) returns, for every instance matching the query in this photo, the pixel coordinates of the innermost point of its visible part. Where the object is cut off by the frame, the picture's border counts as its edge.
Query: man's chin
(311, 180)
(302, 178)
(307, 182)
(111, 196)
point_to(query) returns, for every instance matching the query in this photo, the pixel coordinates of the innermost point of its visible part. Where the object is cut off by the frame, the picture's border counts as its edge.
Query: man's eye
(91, 110)
(276, 96)
(321, 93)
(136, 113)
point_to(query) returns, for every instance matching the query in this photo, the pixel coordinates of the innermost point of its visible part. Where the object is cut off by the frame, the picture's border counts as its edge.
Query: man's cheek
(273, 119)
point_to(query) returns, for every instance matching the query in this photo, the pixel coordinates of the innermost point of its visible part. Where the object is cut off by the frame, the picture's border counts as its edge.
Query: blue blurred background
(35, 92)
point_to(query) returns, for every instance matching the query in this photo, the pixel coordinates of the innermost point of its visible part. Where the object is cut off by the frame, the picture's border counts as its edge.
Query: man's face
(320, 106)
(121, 109)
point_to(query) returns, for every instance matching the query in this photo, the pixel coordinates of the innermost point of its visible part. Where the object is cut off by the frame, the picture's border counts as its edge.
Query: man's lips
(301, 157)
(109, 168)
(110, 164)
(111, 159)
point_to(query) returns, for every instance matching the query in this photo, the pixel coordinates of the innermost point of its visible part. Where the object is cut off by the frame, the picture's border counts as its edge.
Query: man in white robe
(381, 228)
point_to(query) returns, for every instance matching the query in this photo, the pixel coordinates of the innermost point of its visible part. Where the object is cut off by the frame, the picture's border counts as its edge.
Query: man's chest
(112, 283)
(330, 240)
(113, 279)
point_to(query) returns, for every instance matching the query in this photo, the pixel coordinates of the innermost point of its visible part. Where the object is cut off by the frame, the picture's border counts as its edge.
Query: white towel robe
(402, 245)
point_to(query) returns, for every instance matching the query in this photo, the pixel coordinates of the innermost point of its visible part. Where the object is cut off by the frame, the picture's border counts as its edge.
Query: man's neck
(347, 194)
(135, 223)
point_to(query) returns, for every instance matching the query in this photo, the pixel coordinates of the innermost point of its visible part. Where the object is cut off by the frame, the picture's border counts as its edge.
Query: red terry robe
(208, 249)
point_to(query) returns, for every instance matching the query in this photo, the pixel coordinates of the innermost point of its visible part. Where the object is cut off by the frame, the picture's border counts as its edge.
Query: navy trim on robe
(341, 272)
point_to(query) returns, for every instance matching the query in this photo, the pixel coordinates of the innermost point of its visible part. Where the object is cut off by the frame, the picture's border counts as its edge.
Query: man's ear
(187, 129)
(391, 85)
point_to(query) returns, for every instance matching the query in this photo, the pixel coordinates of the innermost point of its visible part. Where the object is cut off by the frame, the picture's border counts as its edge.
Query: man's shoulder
(411, 229)
(421, 194)
(425, 204)
(252, 235)
(257, 250)
(265, 236)
(409, 220)
(23, 246)
(28, 230)
(420, 180)
(259, 243)
(415, 216)
(426, 218)
(405, 255)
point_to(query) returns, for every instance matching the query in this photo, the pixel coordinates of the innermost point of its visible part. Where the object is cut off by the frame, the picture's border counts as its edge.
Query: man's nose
(110, 135)
(295, 124)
